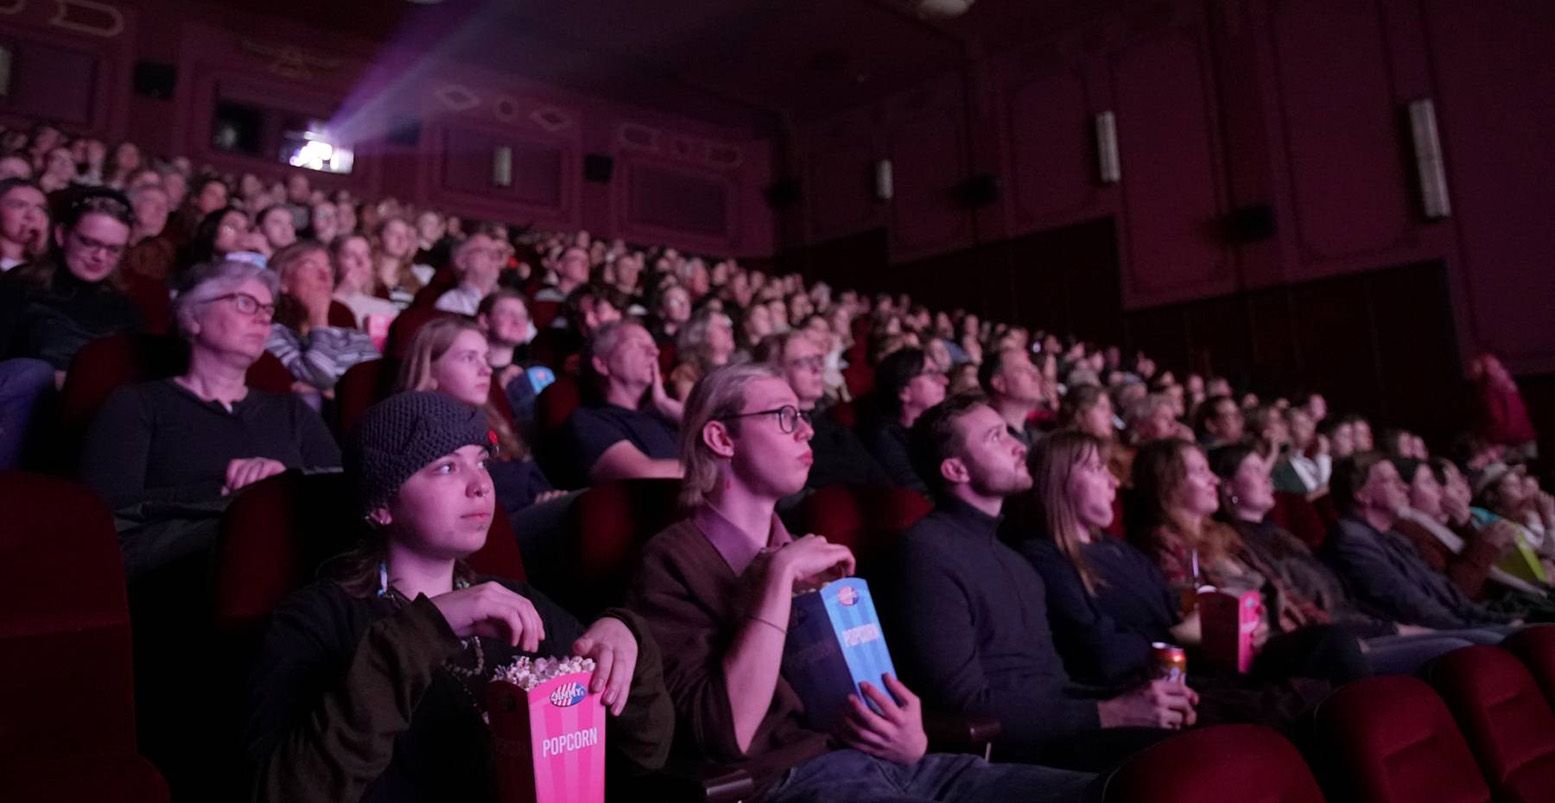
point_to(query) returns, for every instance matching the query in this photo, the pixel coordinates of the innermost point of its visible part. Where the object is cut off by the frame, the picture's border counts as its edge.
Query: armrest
(728, 787)
(960, 733)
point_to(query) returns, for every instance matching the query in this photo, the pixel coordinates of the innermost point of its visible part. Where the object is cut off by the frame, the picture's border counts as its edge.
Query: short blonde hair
(721, 393)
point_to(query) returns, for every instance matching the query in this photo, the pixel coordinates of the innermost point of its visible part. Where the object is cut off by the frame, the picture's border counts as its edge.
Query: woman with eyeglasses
(75, 295)
(166, 446)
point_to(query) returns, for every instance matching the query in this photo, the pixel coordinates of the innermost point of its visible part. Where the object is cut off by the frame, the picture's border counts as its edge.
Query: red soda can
(1171, 662)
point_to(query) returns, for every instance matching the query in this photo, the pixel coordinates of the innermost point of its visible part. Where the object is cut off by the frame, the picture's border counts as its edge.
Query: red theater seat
(341, 315)
(1536, 647)
(1250, 763)
(1503, 713)
(362, 386)
(66, 675)
(402, 332)
(553, 407)
(866, 520)
(1297, 515)
(607, 526)
(1392, 740)
(542, 313)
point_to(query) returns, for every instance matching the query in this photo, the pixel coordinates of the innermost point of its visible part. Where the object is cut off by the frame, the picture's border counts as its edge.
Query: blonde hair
(1053, 465)
(721, 393)
(407, 277)
(431, 343)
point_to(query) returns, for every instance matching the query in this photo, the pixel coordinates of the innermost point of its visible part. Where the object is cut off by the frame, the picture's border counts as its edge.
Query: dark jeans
(852, 775)
(24, 382)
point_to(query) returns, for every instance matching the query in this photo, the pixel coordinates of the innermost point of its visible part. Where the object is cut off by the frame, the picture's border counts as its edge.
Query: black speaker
(405, 132)
(155, 79)
(782, 193)
(597, 168)
(979, 190)
(1250, 224)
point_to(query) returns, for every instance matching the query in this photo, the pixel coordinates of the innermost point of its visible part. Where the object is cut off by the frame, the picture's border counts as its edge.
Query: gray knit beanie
(400, 435)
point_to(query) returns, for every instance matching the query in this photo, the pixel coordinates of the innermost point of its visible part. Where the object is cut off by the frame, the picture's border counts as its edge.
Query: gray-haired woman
(163, 448)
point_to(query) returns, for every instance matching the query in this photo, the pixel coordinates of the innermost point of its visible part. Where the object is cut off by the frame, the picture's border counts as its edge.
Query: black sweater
(54, 324)
(157, 442)
(968, 629)
(351, 699)
(1104, 638)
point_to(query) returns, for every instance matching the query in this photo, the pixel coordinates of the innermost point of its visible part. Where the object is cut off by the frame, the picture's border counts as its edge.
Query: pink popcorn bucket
(548, 742)
(1229, 618)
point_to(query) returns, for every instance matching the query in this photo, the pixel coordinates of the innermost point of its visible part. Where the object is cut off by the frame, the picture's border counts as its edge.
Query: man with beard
(970, 630)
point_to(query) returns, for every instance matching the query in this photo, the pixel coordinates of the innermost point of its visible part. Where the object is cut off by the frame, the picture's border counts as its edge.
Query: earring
(1235, 501)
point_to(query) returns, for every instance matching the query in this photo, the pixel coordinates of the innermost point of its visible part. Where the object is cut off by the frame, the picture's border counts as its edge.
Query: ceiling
(749, 63)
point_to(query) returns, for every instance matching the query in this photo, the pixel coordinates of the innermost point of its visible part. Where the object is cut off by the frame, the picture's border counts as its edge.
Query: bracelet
(770, 624)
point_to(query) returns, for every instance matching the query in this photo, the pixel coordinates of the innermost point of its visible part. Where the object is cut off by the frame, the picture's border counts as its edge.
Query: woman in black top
(1107, 602)
(370, 685)
(50, 309)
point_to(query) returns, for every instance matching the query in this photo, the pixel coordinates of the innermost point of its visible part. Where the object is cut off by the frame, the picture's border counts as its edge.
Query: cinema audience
(629, 428)
(302, 337)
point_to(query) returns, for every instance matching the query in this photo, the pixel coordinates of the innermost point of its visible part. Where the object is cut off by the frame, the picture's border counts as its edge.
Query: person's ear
(600, 366)
(954, 470)
(380, 517)
(716, 437)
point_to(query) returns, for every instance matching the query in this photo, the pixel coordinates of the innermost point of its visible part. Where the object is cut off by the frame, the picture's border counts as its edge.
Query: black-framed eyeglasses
(788, 417)
(245, 303)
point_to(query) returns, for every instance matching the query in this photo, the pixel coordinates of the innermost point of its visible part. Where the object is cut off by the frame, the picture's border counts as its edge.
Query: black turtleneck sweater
(968, 629)
(54, 324)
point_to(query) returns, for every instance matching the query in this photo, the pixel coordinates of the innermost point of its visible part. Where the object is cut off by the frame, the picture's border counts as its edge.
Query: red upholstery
(1536, 647)
(66, 672)
(1253, 763)
(277, 532)
(442, 282)
(341, 315)
(542, 313)
(860, 379)
(84, 779)
(362, 385)
(667, 355)
(402, 332)
(607, 526)
(845, 413)
(1391, 740)
(1298, 516)
(866, 520)
(555, 404)
(1503, 713)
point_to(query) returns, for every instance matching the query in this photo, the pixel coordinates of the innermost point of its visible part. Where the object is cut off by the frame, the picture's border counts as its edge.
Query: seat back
(1503, 713)
(1297, 515)
(542, 313)
(1392, 740)
(606, 528)
(66, 658)
(553, 407)
(1536, 647)
(402, 332)
(1204, 764)
(864, 519)
(360, 387)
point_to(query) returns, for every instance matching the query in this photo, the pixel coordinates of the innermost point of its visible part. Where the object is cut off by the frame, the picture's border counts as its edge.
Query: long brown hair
(407, 277)
(1160, 470)
(1053, 465)
(431, 343)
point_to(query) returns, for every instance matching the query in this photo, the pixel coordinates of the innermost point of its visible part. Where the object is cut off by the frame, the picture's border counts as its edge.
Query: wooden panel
(1052, 150)
(1343, 142)
(678, 200)
(536, 167)
(52, 82)
(839, 192)
(1494, 76)
(1170, 199)
(928, 154)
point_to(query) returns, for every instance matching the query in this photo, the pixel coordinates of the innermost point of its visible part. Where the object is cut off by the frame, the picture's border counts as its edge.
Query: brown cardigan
(1467, 569)
(694, 604)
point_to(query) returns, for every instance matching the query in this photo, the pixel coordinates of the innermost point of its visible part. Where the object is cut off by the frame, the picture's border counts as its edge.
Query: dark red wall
(1297, 106)
(676, 180)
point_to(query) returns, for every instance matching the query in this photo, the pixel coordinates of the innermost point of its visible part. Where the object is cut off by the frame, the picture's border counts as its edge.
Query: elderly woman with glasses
(171, 444)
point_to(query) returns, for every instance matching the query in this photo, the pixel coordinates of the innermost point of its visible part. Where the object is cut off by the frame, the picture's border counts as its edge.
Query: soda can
(1171, 662)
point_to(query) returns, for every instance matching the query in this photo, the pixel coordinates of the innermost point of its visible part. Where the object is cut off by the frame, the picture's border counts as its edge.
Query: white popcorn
(527, 673)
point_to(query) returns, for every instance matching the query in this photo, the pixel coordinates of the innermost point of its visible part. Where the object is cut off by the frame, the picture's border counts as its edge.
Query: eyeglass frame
(259, 306)
(799, 415)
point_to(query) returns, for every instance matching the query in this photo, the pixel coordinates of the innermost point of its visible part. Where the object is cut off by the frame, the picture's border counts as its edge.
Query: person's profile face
(462, 371)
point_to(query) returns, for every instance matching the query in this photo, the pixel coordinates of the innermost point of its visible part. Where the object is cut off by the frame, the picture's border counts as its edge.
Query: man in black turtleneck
(966, 616)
